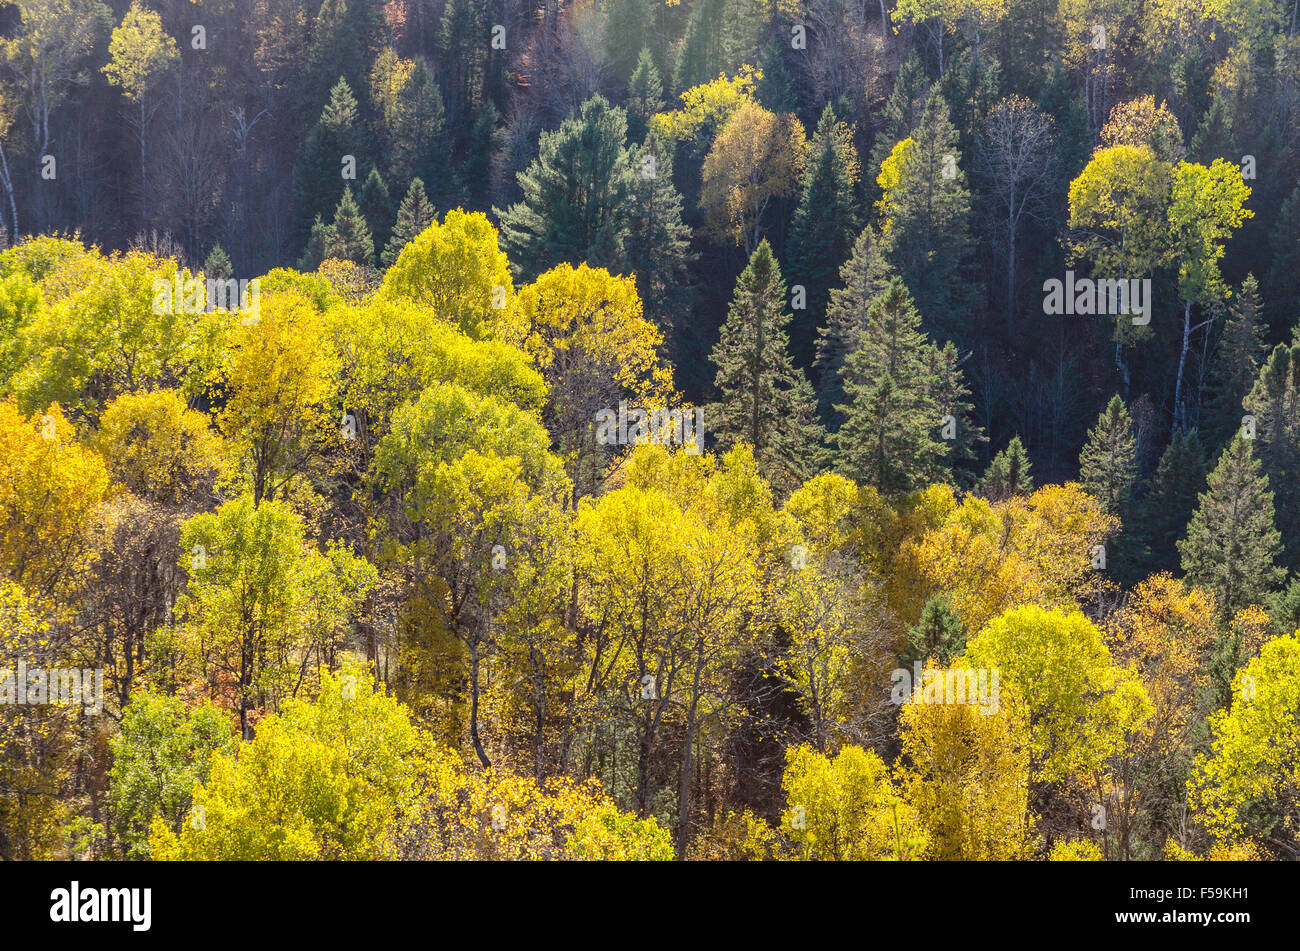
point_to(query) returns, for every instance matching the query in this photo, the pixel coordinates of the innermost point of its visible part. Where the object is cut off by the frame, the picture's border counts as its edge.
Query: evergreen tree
(349, 237)
(764, 400)
(577, 195)
(824, 226)
(335, 52)
(926, 214)
(1179, 480)
(700, 52)
(775, 91)
(1274, 403)
(903, 111)
(218, 264)
(318, 245)
(890, 435)
(376, 207)
(318, 175)
(1108, 463)
(413, 217)
(627, 28)
(863, 278)
(658, 251)
(961, 438)
(463, 58)
(645, 96)
(938, 634)
(1283, 283)
(1240, 352)
(1007, 474)
(421, 146)
(1232, 546)
(476, 170)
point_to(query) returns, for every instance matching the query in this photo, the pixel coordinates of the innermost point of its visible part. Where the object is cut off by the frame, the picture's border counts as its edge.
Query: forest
(650, 430)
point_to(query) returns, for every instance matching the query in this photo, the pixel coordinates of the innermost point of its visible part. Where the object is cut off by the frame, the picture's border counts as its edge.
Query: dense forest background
(830, 227)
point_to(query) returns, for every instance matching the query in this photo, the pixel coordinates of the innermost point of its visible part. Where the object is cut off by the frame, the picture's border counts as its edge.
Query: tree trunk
(1179, 415)
(473, 705)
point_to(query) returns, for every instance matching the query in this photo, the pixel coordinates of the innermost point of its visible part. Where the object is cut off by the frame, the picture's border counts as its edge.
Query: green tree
(318, 174)
(764, 400)
(938, 635)
(376, 208)
(1231, 546)
(414, 215)
(349, 236)
(1108, 462)
(645, 94)
(335, 54)
(1008, 474)
(825, 223)
(1239, 353)
(1274, 404)
(577, 195)
(1168, 506)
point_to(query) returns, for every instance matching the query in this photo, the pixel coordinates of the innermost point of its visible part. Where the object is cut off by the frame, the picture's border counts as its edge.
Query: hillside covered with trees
(650, 429)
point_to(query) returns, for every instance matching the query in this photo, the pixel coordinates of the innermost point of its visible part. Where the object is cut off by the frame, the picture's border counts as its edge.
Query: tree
(1282, 283)
(139, 53)
(757, 156)
(1231, 544)
(825, 222)
(1008, 474)
(318, 181)
(1017, 158)
(645, 93)
(376, 208)
(847, 808)
(334, 55)
(1207, 204)
(864, 277)
(890, 435)
(1141, 123)
(1108, 462)
(925, 208)
(764, 400)
(1179, 480)
(1239, 352)
(414, 215)
(1246, 787)
(349, 237)
(1271, 411)
(938, 635)
(577, 195)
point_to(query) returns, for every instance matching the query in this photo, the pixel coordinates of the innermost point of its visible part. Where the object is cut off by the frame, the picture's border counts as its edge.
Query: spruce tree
(413, 217)
(903, 111)
(892, 420)
(627, 27)
(349, 237)
(658, 251)
(775, 91)
(335, 52)
(824, 226)
(938, 635)
(926, 214)
(1238, 357)
(1232, 546)
(1274, 405)
(1008, 473)
(863, 278)
(960, 436)
(318, 245)
(476, 170)
(645, 96)
(1178, 482)
(376, 207)
(1283, 282)
(763, 399)
(318, 174)
(1108, 463)
(421, 146)
(700, 51)
(577, 195)
(218, 264)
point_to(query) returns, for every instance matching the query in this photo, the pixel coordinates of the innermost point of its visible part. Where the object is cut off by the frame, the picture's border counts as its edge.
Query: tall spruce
(764, 400)
(1239, 355)
(318, 174)
(824, 226)
(1008, 474)
(645, 96)
(376, 207)
(349, 238)
(890, 438)
(1232, 545)
(1167, 508)
(1273, 406)
(1108, 463)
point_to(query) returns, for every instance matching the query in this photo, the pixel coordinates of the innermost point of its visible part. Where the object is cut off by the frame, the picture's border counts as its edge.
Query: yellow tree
(757, 156)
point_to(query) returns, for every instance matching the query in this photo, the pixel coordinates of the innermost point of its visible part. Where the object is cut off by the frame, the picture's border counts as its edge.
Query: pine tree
(764, 400)
(421, 146)
(824, 226)
(701, 47)
(1108, 463)
(576, 195)
(413, 217)
(335, 52)
(926, 214)
(938, 634)
(903, 111)
(961, 437)
(1274, 404)
(890, 435)
(775, 91)
(1283, 282)
(1232, 546)
(218, 264)
(863, 278)
(627, 28)
(645, 96)
(1008, 473)
(658, 251)
(376, 207)
(349, 238)
(1179, 481)
(1240, 353)
(318, 175)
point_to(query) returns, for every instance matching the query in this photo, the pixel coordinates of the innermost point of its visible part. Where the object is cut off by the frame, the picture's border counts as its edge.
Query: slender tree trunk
(1179, 415)
(8, 183)
(473, 705)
